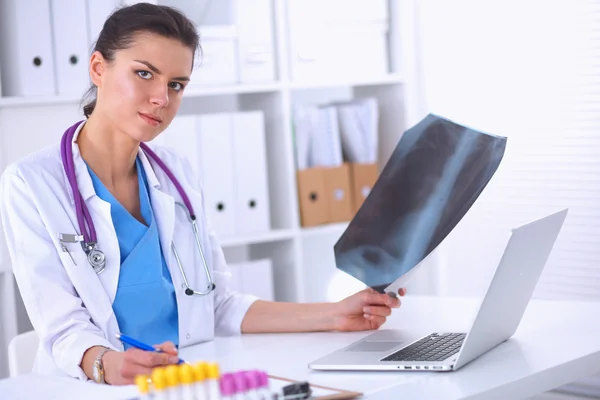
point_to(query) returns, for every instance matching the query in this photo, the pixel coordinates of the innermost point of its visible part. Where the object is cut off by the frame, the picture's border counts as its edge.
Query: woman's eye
(176, 86)
(144, 74)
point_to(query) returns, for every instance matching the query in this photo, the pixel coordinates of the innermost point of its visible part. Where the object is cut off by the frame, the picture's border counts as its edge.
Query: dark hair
(120, 28)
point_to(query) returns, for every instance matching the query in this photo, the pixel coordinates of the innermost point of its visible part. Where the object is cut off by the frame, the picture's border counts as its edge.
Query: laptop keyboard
(435, 347)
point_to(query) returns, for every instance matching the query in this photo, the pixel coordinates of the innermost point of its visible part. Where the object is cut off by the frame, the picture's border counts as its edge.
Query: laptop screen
(433, 177)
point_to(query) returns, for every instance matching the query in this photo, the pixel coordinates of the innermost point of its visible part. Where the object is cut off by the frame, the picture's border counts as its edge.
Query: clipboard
(276, 384)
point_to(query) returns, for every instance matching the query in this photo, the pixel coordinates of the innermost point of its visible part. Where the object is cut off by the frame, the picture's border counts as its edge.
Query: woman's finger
(374, 298)
(376, 319)
(377, 310)
(149, 358)
(168, 347)
(402, 291)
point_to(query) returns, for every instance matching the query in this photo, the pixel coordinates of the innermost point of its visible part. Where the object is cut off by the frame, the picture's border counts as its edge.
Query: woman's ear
(97, 68)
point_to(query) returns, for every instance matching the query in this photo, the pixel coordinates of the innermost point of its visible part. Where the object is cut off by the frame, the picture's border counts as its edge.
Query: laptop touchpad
(373, 346)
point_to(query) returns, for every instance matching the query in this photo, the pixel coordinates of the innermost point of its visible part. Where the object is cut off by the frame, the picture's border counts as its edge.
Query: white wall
(518, 69)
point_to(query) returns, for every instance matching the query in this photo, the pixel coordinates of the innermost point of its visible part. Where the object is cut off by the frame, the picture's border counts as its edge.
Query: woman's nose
(160, 96)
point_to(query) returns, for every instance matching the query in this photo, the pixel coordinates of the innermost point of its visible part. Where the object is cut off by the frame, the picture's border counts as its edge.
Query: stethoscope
(88, 239)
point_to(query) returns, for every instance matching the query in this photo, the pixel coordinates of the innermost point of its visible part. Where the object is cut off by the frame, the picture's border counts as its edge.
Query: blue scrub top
(145, 304)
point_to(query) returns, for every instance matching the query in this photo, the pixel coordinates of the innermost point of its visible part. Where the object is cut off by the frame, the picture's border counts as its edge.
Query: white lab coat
(70, 306)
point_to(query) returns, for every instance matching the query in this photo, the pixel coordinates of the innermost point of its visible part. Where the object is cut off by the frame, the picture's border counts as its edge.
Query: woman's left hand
(365, 310)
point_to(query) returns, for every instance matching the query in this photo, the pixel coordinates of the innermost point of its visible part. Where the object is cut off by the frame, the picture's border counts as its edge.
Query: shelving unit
(303, 264)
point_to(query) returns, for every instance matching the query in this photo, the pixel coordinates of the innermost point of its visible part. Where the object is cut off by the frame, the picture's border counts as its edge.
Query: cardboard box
(339, 195)
(362, 179)
(314, 207)
(325, 195)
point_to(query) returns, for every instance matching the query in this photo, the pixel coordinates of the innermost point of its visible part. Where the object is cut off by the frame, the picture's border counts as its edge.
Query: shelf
(20, 101)
(30, 101)
(266, 237)
(206, 91)
(326, 229)
(330, 83)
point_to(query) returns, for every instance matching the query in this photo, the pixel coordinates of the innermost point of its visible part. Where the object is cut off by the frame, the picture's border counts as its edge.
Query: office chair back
(21, 353)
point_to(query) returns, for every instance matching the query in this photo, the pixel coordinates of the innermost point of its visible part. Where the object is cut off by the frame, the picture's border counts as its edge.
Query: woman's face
(141, 90)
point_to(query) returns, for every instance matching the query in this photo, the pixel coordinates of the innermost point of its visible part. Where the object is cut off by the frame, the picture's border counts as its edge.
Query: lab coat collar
(84, 180)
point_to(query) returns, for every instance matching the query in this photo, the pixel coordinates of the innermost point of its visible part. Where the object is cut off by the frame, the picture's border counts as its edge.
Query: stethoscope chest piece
(95, 257)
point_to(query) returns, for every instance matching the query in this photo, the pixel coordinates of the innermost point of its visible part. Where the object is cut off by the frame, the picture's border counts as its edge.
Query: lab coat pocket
(86, 282)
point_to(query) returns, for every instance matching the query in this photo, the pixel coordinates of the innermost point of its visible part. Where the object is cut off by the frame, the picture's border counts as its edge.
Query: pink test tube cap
(239, 380)
(227, 385)
(264, 379)
(252, 379)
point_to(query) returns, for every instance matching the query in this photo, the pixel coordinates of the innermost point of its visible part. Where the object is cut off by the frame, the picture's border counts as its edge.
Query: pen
(139, 345)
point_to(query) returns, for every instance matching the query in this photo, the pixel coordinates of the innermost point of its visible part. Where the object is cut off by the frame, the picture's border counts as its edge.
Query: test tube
(172, 376)
(199, 381)
(227, 387)
(159, 383)
(186, 377)
(212, 381)
(264, 390)
(240, 385)
(253, 384)
(141, 381)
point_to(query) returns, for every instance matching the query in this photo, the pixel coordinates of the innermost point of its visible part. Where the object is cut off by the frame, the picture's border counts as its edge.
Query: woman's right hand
(121, 367)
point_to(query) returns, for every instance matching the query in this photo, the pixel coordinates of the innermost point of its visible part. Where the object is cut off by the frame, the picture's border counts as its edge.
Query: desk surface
(556, 343)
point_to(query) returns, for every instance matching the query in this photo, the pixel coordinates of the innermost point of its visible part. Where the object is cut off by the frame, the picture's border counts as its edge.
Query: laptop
(496, 320)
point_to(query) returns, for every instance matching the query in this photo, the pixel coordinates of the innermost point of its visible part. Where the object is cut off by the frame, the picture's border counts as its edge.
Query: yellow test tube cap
(212, 370)
(199, 371)
(159, 378)
(141, 381)
(172, 375)
(186, 374)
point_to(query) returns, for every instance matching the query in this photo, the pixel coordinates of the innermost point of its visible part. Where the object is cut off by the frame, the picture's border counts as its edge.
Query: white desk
(556, 343)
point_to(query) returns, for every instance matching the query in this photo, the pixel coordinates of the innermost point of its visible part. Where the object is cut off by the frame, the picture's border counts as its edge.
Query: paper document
(437, 171)
(359, 122)
(317, 137)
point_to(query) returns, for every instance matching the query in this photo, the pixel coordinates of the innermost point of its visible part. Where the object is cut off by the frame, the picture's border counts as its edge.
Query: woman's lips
(150, 119)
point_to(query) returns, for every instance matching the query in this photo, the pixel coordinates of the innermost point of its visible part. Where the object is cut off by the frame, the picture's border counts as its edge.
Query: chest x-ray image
(437, 171)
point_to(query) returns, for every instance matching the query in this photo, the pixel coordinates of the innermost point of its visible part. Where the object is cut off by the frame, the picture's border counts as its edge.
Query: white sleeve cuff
(231, 312)
(69, 352)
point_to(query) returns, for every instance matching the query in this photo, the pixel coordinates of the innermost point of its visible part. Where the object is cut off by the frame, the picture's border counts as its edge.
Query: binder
(70, 44)
(26, 55)
(217, 63)
(314, 203)
(255, 44)
(215, 137)
(250, 173)
(98, 12)
(253, 277)
(257, 279)
(338, 194)
(182, 138)
(235, 280)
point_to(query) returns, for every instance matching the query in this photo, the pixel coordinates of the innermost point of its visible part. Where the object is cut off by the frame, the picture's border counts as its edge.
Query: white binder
(250, 173)
(216, 152)
(255, 44)
(70, 44)
(257, 279)
(253, 277)
(98, 13)
(182, 137)
(235, 283)
(217, 63)
(26, 48)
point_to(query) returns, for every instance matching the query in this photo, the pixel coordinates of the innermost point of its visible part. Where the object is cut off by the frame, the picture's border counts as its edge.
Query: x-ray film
(437, 171)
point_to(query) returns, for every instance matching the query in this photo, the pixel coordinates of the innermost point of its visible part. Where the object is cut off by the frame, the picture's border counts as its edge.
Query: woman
(126, 278)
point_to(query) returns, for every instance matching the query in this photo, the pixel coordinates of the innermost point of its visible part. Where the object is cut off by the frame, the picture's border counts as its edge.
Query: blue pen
(139, 345)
